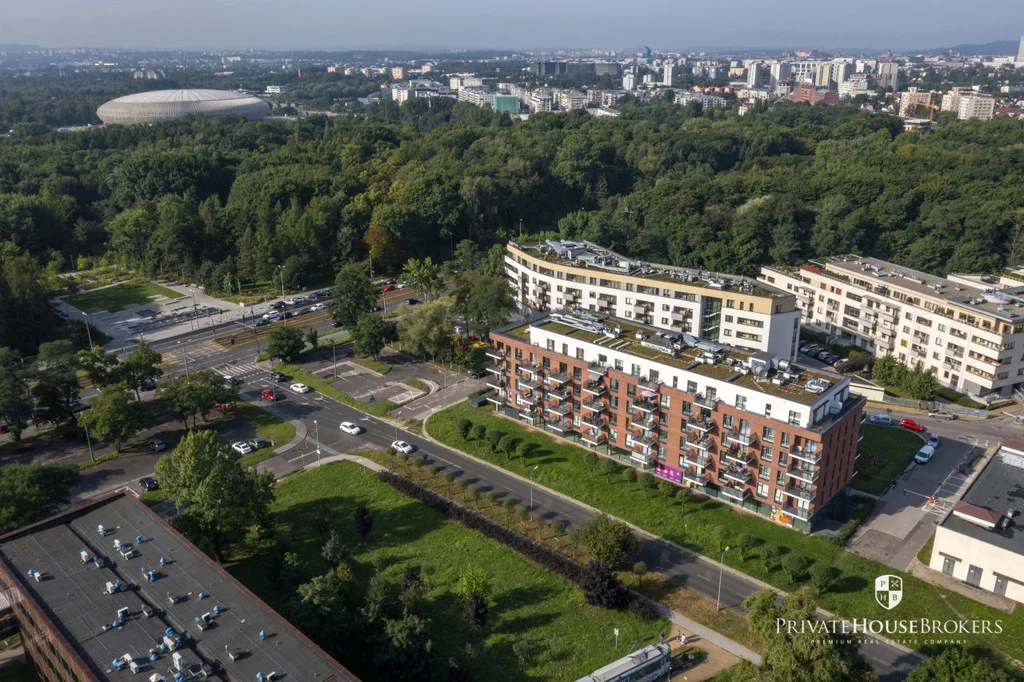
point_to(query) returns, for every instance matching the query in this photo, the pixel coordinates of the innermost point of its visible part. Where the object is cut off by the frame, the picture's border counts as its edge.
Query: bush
(643, 609)
(629, 475)
(607, 540)
(478, 431)
(601, 587)
(769, 557)
(840, 539)
(590, 458)
(506, 445)
(464, 426)
(558, 528)
(821, 576)
(523, 450)
(494, 437)
(609, 467)
(794, 565)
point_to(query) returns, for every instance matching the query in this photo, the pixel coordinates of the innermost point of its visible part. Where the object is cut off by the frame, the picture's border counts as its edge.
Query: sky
(516, 24)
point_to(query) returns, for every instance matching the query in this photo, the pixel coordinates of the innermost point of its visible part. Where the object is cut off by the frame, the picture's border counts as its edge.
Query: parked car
(881, 419)
(273, 315)
(276, 305)
(841, 364)
(376, 309)
(924, 454)
(412, 301)
(258, 443)
(295, 300)
(146, 484)
(933, 441)
(157, 445)
(387, 288)
(351, 429)
(948, 416)
(804, 348)
(912, 425)
(317, 306)
(230, 380)
(269, 394)
(276, 376)
(403, 447)
(149, 385)
(241, 447)
(260, 321)
(299, 388)
(335, 323)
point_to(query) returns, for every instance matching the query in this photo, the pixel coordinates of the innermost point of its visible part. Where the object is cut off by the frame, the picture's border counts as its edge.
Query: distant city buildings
(814, 95)
(707, 101)
(276, 89)
(398, 73)
(888, 76)
(910, 100)
(400, 92)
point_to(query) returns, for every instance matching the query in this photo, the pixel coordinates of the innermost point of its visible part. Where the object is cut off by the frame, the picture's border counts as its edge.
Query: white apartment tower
(1020, 52)
(668, 76)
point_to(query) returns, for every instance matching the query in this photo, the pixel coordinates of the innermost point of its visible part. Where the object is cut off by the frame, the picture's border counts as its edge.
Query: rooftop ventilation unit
(817, 386)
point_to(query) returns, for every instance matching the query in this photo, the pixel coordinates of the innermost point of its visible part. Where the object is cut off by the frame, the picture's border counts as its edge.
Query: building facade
(405, 90)
(727, 309)
(506, 103)
(746, 428)
(981, 107)
(970, 337)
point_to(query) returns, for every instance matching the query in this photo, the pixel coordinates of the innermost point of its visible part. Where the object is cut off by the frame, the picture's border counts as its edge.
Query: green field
(118, 297)
(269, 426)
(886, 452)
(417, 384)
(562, 467)
(568, 638)
(373, 365)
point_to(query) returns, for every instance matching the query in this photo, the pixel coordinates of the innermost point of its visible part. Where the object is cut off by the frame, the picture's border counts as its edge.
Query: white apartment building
(729, 309)
(707, 101)
(400, 92)
(910, 100)
(970, 337)
(981, 107)
(540, 100)
(571, 99)
(477, 96)
(668, 75)
(629, 81)
(779, 72)
(857, 84)
(978, 542)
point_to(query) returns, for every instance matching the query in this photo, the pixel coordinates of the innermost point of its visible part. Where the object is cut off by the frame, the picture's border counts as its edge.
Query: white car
(273, 315)
(317, 306)
(350, 428)
(241, 448)
(300, 388)
(295, 300)
(403, 447)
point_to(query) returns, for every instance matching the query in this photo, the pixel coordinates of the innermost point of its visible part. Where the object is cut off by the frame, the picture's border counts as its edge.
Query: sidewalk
(297, 439)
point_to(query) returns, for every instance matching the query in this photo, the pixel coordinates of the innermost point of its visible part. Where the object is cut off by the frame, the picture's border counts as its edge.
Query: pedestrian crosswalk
(240, 370)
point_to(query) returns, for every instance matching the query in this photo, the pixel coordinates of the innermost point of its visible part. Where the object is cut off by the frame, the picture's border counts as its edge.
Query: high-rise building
(506, 103)
(841, 71)
(981, 107)
(889, 76)
(823, 75)
(779, 73)
(752, 430)
(540, 100)
(629, 81)
(1020, 52)
(668, 74)
(646, 52)
(398, 73)
(753, 71)
(400, 92)
(910, 100)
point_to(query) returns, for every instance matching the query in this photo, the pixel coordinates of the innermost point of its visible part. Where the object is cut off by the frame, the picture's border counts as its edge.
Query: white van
(924, 454)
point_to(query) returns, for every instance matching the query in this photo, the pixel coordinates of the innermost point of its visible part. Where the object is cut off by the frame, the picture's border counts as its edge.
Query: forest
(225, 202)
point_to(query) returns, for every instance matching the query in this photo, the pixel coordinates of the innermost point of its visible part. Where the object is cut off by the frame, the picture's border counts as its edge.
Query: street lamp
(316, 432)
(721, 570)
(281, 268)
(184, 355)
(532, 471)
(88, 331)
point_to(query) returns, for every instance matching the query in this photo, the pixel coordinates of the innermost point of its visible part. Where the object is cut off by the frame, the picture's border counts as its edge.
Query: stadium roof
(168, 105)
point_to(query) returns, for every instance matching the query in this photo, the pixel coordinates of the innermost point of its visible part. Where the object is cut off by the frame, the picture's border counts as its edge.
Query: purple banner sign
(674, 475)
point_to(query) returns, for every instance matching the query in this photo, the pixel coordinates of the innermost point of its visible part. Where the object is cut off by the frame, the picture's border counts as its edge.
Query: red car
(388, 287)
(268, 394)
(911, 424)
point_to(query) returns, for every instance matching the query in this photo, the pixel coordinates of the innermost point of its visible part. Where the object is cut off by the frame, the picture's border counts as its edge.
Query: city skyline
(319, 25)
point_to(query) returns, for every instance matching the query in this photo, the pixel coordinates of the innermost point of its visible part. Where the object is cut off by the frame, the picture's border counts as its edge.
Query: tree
(286, 343)
(99, 365)
(113, 416)
(478, 431)
(56, 391)
(508, 505)
(821, 576)
(370, 335)
(483, 300)
(426, 331)
(745, 543)
(221, 499)
(494, 437)
(770, 557)
(195, 394)
(629, 475)
(463, 426)
(313, 338)
(140, 366)
(15, 404)
(793, 565)
(475, 581)
(354, 294)
(648, 483)
(334, 550)
(506, 445)
(32, 492)
(607, 540)
(955, 663)
(601, 587)
(590, 457)
(423, 275)
(406, 653)
(474, 612)
(722, 537)
(608, 467)
(639, 570)
(363, 521)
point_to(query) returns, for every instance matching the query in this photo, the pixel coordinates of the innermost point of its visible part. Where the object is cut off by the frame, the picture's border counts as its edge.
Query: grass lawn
(378, 409)
(563, 468)
(373, 365)
(958, 398)
(568, 638)
(417, 384)
(269, 426)
(885, 452)
(115, 298)
(924, 555)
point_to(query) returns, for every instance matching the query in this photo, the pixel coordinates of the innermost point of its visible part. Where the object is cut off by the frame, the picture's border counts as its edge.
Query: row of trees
(916, 382)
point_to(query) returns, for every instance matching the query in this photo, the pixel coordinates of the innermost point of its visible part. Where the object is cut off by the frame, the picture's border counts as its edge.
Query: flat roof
(728, 369)
(998, 489)
(74, 596)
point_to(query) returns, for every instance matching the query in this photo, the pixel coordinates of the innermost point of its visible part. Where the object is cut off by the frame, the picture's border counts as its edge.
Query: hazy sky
(508, 24)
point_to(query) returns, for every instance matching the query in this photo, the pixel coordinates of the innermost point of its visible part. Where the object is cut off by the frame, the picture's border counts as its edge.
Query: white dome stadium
(170, 105)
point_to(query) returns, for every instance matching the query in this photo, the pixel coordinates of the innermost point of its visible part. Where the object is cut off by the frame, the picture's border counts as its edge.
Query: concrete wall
(988, 557)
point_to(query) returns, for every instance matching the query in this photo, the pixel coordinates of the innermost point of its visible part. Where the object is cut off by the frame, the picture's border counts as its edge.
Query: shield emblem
(888, 591)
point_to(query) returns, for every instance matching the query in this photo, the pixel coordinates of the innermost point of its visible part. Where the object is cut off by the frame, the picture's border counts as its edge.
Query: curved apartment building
(729, 309)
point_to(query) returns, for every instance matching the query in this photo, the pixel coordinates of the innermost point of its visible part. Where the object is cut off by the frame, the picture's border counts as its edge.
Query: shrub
(590, 458)
(629, 475)
(494, 437)
(435, 470)
(523, 450)
(558, 528)
(506, 445)
(746, 543)
(478, 431)
(846, 532)
(608, 467)
(607, 540)
(643, 609)
(647, 482)
(464, 426)
(769, 557)
(821, 577)
(794, 565)
(722, 536)
(601, 587)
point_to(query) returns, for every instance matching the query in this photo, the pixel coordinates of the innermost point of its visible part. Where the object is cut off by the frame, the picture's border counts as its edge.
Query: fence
(932, 406)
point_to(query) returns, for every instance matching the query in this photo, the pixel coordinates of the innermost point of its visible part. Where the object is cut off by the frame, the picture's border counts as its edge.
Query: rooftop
(701, 357)
(74, 595)
(997, 490)
(587, 255)
(155, 96)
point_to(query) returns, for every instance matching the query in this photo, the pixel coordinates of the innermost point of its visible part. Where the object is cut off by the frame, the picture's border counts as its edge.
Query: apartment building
(707, 101)
(400, 92)
(739, 311)
(910, 100)
(748, 428)
(540, 100)
(981, 107)
(970, 337)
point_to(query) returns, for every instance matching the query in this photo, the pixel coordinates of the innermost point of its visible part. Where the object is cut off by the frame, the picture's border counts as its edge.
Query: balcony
(496, 398)
(594, 388)
(644, 382)
(888, 317)
(700, 445)
(679, 317)
(558, 379)
(710, 403)
(646, 406)
(918, 353)
(696, 479)
(497, 383)
(562, 426)
(954, 352)
(800, 491)
(594, 421)
(744, 439)
(740, 475)
(529, 384)
(593, 437)
(596, 406)
(559, 394)
(495, 369)
(805, 455)
(597, 368)
(644, 441)
(529, 368)
(530, 399)
(832, 306)
(803, 473)
(885, 344)
(560, 410)
(797, 512)
(697, 461)
(702, 425)
(495, 353)
(738, 456)
(886, 331)
(645, 424)
(642, 457)
(734, 493)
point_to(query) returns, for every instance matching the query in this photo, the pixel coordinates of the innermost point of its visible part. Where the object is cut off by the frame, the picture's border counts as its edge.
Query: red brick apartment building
(752, 430)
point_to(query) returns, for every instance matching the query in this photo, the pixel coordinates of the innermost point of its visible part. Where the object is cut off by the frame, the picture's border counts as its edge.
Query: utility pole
(281, 268)
(334, 352)
(721, 570)
(89, 441)
(184, 355)
(316, 431)
(532, 472)
(88, 331)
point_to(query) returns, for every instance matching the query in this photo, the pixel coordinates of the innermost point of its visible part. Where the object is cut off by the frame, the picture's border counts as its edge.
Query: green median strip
(268, 426)
(373, 365)
(706, 524)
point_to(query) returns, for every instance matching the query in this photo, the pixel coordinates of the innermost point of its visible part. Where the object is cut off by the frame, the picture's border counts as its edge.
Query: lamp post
(88, 330)
(721, 570)
(532, 471)
(184, 355)
(89, 441)
(281, 268)
(316, 432)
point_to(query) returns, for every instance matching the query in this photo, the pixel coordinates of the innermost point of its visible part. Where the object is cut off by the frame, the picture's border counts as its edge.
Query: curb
(711, 636)
(300, 436)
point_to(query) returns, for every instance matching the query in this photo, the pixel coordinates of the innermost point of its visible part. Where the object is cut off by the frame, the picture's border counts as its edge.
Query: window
(691, 387)
(794, 418)
(766, 454)
(665, 401)
(764, 473)
(613, 385)
(613, 434)
(768, 410)
(768, 434)
(727, 421)
(687, 408)
(741, 402)
(762, 490)
(780, 479)
(634, 369)
(778, 496)
(785, 440)
(744, 427)
(618, 365)
(783, 459)
(726, 332)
